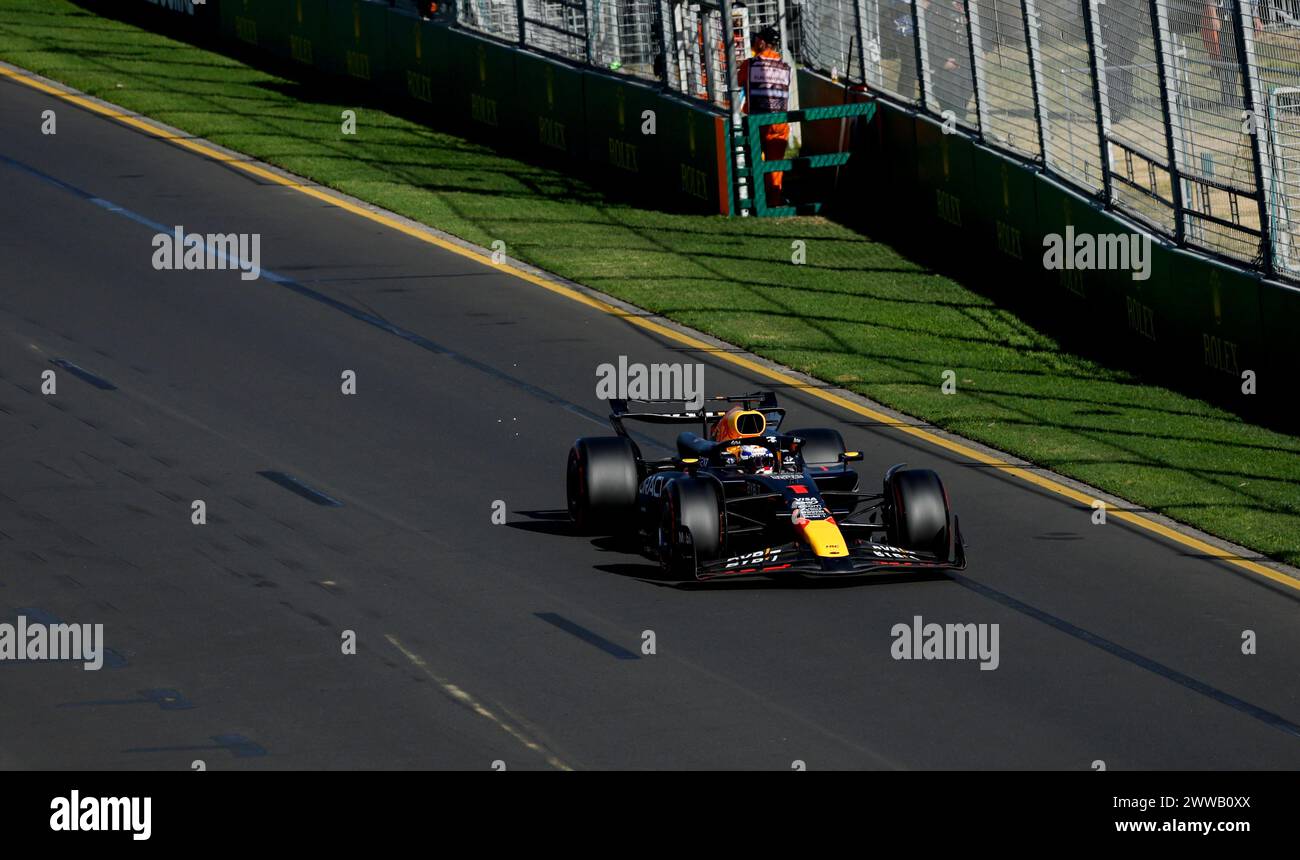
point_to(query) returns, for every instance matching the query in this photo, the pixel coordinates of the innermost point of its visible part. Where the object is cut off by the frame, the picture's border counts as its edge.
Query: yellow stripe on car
(824, 537)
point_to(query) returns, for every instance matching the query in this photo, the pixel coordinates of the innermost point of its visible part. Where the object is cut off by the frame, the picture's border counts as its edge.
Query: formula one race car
(745, 499)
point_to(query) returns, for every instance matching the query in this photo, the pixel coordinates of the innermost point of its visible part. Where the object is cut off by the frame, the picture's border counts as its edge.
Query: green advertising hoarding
(895, 163)
(481, 92)
(693, 149)
(623, 132)
(356, 39)
(1215, 310)
(1005, 212)
(1073, 291)
(261, 24)
(1280, 320)
(306, 31)
(239, 21)
(1153, 328)
(945, 176)
(551, 107)
(415, 69)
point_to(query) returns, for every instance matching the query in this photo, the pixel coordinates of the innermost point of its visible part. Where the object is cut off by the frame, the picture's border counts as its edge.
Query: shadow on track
(556, 523)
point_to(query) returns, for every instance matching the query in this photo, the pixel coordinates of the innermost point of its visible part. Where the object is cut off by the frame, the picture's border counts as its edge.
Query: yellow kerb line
(1020, 472)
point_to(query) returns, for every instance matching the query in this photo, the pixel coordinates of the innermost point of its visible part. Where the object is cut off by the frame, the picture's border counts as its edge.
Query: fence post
(1100, 95)
(1029, 15)
(673, 48)
(657, 28)
(729, 53)
(519, 17)
(1160, 26)
(922, 54)
(873, 79)
(1245, 33)
(862, 53)
(738, 154)
(973, 37)
(586, 31)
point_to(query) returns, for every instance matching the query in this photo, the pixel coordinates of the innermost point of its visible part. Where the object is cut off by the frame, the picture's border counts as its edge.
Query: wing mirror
(851, 456)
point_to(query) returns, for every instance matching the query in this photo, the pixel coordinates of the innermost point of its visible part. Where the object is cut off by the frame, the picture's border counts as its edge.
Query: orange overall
(775, 138)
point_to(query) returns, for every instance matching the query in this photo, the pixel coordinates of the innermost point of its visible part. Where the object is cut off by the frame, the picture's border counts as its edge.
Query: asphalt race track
(479, 643)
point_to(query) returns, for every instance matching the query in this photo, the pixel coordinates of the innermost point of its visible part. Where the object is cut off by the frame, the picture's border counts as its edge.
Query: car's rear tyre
(821, 446)
(692, 529)
(916, 511)
(601, 482)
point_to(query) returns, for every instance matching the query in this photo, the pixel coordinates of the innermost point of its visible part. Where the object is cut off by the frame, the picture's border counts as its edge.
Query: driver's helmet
(756, 459)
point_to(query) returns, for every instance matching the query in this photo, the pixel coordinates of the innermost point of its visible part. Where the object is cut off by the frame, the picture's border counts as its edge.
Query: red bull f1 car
(742, 498)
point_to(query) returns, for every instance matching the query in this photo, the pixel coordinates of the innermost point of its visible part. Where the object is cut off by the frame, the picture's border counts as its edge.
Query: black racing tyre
(601, 483)
(821, 446)
(692, 503)
(916, 513)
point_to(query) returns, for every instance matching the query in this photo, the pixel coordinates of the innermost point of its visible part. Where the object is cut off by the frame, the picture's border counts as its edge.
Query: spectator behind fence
(951, 83)
(945, 24)
(1212, 22)
(1205, 20)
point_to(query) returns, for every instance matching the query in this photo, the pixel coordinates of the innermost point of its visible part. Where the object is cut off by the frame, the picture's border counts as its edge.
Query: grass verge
(857, 314)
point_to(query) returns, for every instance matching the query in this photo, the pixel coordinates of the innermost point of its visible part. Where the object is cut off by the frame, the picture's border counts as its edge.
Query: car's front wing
(864, 558)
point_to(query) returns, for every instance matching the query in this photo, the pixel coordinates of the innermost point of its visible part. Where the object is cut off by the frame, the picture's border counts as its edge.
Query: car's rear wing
(763, 401)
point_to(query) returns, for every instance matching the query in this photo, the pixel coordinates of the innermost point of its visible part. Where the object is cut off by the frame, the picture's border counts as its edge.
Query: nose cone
(824, 538)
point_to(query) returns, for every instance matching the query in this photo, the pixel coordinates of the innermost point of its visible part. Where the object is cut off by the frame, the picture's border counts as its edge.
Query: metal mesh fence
(693, 59)
(1141, 100)
(860, 41)
(1284, 190)
(1007, 111)
(757, 14)
(1134, 106)
(1182, 113)
(626, 37)
(556, 27)
(698, 58)
(826, 37)
(498, 18)
(1213, 152)
(946, 60)
(1271, 39)
(1066, 88)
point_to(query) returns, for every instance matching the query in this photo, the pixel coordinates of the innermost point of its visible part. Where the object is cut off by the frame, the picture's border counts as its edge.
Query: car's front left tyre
(692, 527)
